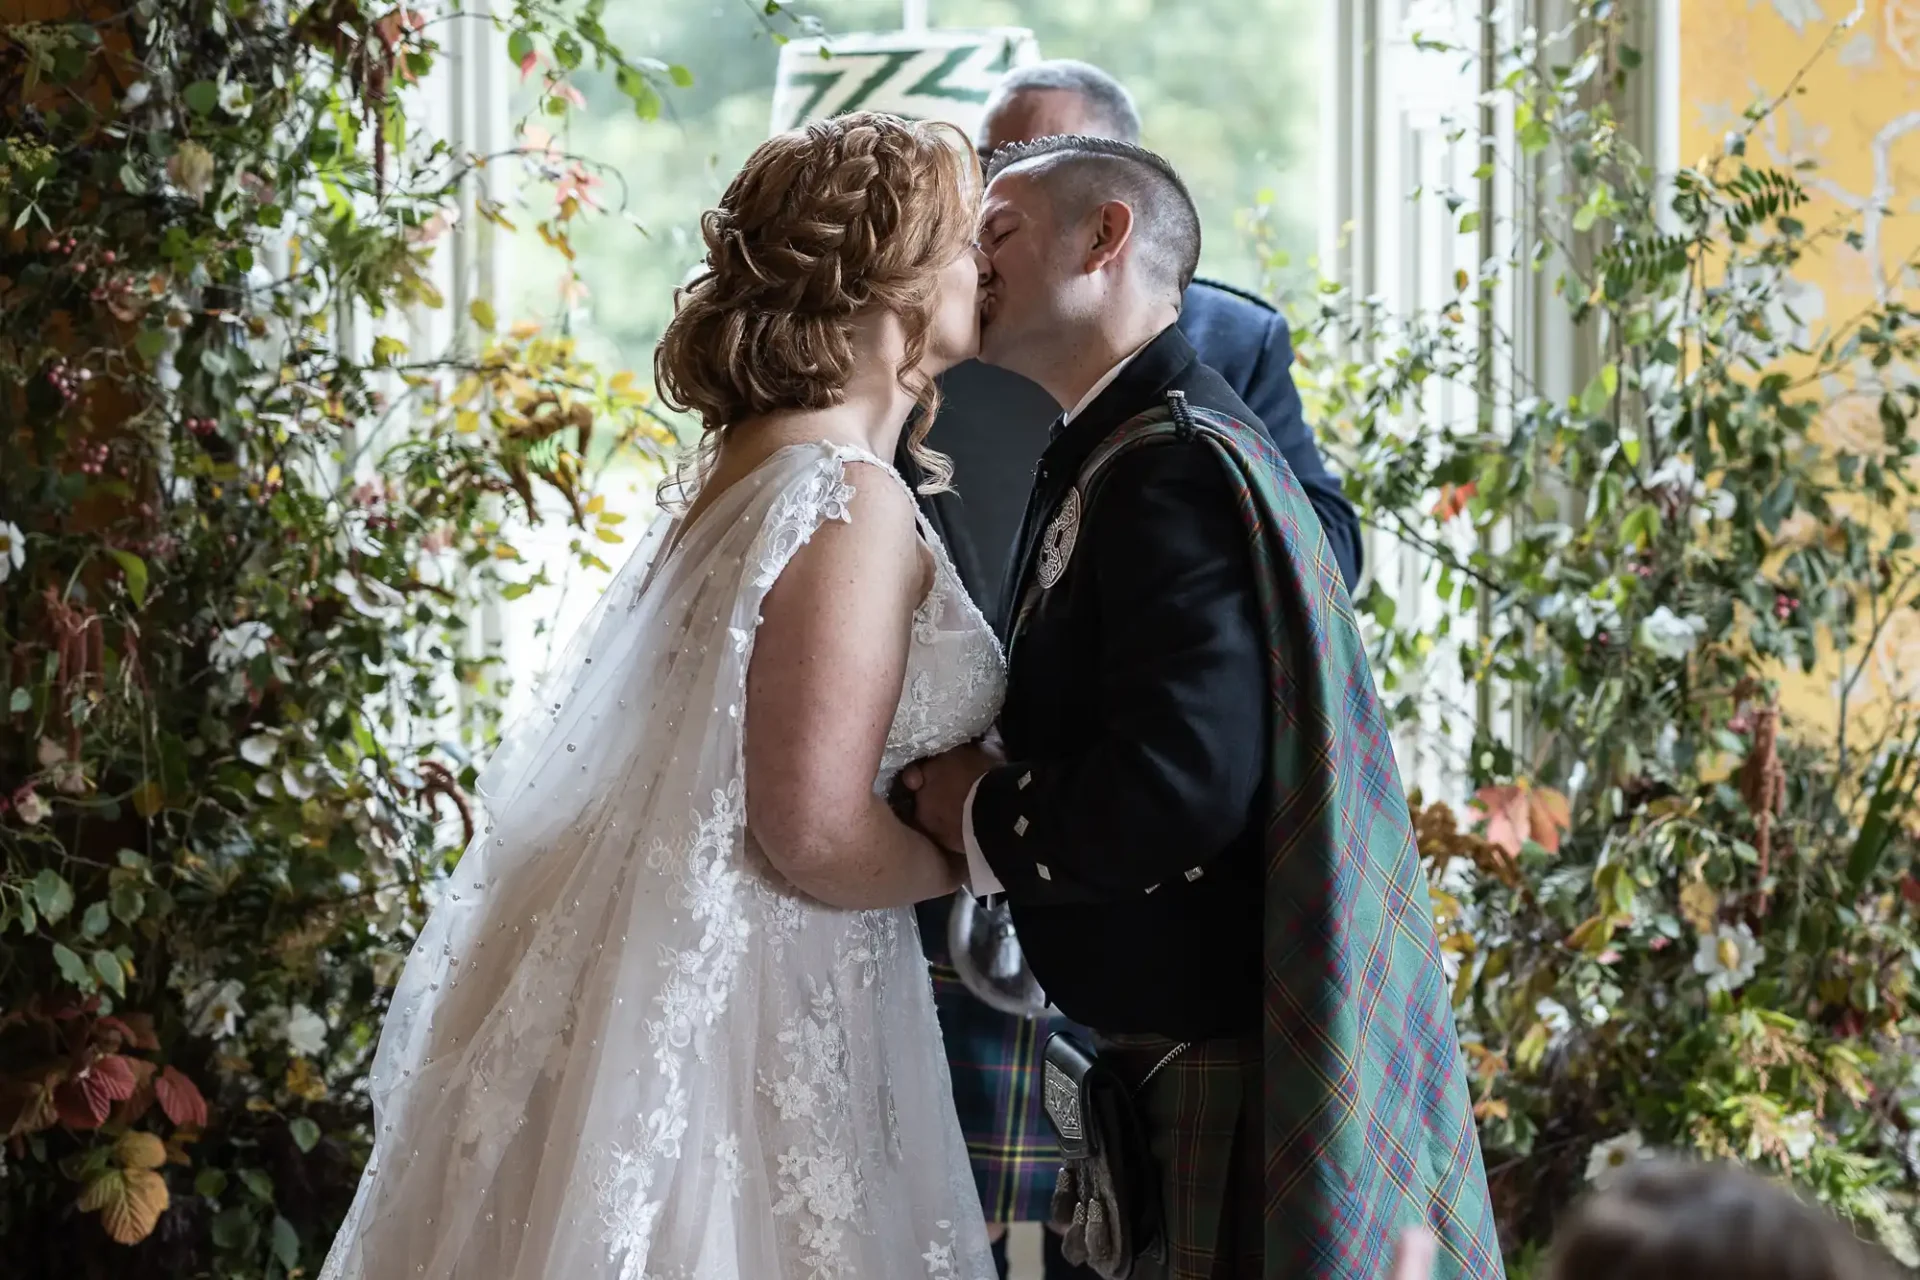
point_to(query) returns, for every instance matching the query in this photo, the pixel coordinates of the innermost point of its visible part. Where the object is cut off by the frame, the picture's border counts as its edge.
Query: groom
(1198, 821)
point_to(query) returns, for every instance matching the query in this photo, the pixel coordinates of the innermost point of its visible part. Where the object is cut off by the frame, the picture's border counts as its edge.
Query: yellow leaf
(304, 1082)
(503, 551)
(1593, 935)
(148, 799)
(273, 475)
(1700, 906)
(621, 383)
(259, 1104)
(469, 388)
(129, 1202)
(597, 505)
(482, 312)
(1533, 1047)
(137, 1150)
(466, 422)
(607, 535)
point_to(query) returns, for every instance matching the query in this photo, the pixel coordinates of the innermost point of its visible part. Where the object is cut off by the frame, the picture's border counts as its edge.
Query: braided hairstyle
(821, 224)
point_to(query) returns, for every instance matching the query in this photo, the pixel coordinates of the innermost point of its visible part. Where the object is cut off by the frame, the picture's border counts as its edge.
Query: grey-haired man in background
(995, 425)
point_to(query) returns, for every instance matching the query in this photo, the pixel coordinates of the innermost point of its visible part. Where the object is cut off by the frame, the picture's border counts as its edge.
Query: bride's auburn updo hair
(820, 224)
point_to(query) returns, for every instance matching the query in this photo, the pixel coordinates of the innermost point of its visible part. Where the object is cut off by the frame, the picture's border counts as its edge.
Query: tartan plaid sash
(1369, 1126)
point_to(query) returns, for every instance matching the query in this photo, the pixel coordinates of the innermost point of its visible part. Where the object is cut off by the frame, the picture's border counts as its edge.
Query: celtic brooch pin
(1056, 545)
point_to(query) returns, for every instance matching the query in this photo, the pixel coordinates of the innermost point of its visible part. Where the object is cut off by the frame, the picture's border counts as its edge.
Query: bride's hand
(941, 786)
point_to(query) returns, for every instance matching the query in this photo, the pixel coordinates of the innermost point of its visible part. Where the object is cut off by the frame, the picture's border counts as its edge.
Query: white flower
(31, 808)
(299, 783)
(233, 99)
(239, 644)
(1728, 957)
(1666, 634)
(1665, 742)
(1676, 471)
(1608, 1158)
(305, 1032)
(260, 748)
(371, 599)
(50, 753)
(13, 548)
(1719, 504)
(216, 1008)
(1554, 1016)
(1798, 1132)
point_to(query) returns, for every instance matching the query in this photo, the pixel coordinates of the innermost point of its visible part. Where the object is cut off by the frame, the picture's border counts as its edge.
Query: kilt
(994, 1059)
(1203, 1114)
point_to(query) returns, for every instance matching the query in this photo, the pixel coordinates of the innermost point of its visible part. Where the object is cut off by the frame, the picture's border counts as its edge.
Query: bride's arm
(827, 668)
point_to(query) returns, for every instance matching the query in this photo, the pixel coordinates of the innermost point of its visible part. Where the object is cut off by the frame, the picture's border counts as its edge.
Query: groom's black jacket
(1126, 828)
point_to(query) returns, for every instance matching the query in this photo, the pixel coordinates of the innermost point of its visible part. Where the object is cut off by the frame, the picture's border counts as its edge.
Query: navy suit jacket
(994, 425)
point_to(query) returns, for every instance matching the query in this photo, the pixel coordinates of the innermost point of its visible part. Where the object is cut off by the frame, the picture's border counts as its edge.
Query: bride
(670, 1020)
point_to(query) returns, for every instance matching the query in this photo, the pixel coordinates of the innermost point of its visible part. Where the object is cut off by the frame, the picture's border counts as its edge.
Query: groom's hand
(940, 787)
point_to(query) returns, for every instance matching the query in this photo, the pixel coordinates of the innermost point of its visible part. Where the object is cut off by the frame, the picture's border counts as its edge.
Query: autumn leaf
(134, 1031)
(85, 1100)
(1548, 816)
(129, 1202)
(27, 1105)
(1454, 499)
(137, 1105)
(138, 1150)
(181, 1099)
(1508, 817)
(1700, 906)
(1520, 812)
(304, 1082)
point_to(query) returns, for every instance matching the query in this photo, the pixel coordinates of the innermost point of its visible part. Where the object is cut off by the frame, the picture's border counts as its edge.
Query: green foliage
(240, 693)
(1231, 99)
(1681, 918)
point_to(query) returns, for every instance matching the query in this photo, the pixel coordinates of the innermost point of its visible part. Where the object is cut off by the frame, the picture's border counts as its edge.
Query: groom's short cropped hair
(1079, 173)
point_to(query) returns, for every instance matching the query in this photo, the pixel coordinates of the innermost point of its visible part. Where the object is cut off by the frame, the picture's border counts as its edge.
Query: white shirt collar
(1106, 380)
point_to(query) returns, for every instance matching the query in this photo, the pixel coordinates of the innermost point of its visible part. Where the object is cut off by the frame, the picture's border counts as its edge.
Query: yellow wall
(1859, 118)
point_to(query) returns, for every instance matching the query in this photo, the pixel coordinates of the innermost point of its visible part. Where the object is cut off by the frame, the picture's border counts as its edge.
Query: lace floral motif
(820, 1182)
(727, 1166)
(822, 496)
(873, 944)
(694, 995)
(955, 671)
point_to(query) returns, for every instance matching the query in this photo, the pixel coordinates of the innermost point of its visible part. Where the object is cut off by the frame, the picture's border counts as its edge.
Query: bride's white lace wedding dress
(623, 1047)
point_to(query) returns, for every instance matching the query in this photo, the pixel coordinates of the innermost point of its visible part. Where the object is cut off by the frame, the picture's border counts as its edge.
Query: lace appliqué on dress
(820, 1182)
(694, 995)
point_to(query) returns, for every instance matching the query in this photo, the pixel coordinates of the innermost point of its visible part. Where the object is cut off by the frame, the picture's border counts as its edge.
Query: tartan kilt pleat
(1203, 1118)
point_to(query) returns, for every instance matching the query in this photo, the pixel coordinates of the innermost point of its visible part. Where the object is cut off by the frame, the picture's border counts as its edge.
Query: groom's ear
(1112, 229)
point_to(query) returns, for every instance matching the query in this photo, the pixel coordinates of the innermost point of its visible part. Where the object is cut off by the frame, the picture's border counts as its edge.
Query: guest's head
(840, 247)
(1045, 99)
(1706, 1222)
(1091, 244)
